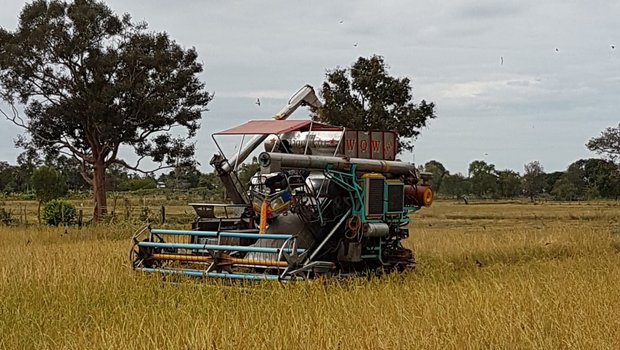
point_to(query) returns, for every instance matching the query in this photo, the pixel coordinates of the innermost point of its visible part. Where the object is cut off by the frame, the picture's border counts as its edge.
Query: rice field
(489, 275)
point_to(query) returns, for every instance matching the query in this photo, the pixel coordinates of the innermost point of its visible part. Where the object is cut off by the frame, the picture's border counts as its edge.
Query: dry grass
(489, 276)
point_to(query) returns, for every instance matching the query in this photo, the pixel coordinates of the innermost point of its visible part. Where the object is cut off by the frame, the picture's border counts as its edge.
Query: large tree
(365, 97)
(603, 175)
(607, 143)
(483, 178)
(550, 180)
(533, 179)
(91, 81)
(456, 185)
(439, 172)
(593, 178)
(47, 184)
(508, 183)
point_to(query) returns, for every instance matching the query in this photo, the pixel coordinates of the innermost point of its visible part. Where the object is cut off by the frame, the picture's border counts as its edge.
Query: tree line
(47, 179)
(584, 179)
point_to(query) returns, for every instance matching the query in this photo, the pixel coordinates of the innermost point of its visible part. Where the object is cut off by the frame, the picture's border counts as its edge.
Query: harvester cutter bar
(237, 248)
(225, 234)
(198, 273)
(209, 259)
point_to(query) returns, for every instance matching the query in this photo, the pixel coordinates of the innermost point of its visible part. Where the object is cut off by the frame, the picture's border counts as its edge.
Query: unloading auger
(327, 201)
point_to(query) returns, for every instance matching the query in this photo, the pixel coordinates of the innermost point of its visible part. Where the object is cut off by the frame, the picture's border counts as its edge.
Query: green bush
(58, 212)
(6, 217)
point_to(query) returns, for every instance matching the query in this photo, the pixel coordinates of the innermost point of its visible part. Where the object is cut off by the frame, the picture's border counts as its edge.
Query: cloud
(491, 91)
(489, 9)
(253, 94)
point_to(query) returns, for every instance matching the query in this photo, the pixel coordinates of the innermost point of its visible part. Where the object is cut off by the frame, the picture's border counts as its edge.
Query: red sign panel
(370, 144)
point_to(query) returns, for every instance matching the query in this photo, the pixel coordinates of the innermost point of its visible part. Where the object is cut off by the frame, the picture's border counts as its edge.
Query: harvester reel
(142, 256)
(222, 262)
(315, 268)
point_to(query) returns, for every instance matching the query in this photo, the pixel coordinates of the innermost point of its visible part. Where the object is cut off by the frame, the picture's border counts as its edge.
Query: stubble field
(489, 275)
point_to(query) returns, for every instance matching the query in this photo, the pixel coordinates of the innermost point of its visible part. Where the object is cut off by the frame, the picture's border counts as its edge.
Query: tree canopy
(608, 143)
(92, 81)
(455, 185)
(439, 172)
(365, 96)
(533, 179)
(48, 184)
(508, 183)
(483, 178)
(589, 179)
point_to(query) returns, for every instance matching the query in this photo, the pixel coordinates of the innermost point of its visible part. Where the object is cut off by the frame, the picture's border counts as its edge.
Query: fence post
(80, 215)
(163, 214)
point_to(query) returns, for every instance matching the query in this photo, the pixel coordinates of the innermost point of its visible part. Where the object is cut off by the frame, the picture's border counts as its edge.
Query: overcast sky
(558, 86)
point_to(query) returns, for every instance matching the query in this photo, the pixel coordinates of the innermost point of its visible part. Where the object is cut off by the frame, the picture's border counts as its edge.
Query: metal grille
(374, 197)
(395, 198)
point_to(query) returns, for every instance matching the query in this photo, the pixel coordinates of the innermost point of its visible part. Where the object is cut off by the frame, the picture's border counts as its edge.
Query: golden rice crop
(488, 276)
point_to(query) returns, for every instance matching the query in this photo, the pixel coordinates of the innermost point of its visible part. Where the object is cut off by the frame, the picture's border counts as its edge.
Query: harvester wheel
(141, 256)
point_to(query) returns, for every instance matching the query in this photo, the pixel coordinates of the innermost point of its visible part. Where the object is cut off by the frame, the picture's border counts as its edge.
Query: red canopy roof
(268, 127)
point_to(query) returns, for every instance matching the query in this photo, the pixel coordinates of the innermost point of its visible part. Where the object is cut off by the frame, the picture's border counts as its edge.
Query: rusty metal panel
(350, 143)
(376, 145)
(369, 144)
(363, 144)
(389, 145)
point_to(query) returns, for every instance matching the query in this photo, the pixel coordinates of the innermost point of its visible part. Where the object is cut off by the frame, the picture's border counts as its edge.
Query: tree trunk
(99, 190)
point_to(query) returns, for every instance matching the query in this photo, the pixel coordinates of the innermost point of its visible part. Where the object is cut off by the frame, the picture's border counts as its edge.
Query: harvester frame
(321, 204)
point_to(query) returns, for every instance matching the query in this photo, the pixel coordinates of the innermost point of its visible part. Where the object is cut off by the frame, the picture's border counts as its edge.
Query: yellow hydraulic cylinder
(204, 258)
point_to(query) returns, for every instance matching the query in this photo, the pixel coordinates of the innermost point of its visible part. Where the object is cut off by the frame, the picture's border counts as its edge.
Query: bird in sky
(341, 22)
(557, 50)
(258, 102)
(355, 45)
(501, 60)
(613, 47)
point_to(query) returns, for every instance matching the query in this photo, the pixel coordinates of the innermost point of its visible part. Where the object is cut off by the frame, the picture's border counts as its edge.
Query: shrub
(6, 217)
(58, 212)
(138, 183)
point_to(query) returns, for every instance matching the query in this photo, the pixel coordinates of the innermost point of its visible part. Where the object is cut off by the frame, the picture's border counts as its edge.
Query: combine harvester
(327, 201)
